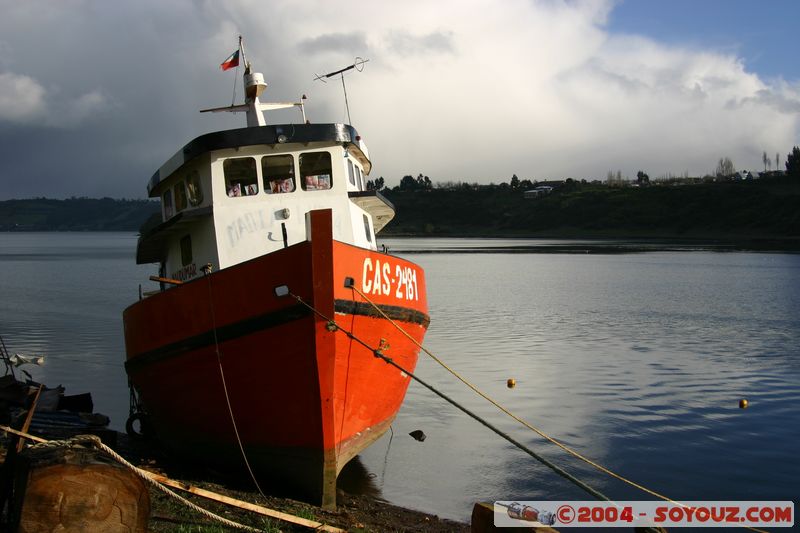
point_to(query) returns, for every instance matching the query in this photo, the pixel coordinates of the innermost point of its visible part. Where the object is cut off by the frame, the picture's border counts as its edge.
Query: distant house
(541, 190)
(772, 174)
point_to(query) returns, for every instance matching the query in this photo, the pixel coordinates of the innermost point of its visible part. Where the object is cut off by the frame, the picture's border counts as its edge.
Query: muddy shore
(354, 512)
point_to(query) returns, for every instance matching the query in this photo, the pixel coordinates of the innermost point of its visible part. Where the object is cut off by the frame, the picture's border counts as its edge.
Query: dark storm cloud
(96, 95)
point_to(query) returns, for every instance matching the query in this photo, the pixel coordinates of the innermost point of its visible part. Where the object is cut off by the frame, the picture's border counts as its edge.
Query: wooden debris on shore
(71, 488)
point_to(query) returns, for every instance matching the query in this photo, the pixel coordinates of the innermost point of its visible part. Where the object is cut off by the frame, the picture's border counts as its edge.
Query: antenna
(358, 64)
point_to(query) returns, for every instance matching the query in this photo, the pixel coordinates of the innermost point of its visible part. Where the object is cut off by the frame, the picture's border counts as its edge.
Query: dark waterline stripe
(266, 321)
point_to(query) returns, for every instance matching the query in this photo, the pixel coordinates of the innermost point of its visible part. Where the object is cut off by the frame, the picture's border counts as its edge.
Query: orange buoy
(511, 383)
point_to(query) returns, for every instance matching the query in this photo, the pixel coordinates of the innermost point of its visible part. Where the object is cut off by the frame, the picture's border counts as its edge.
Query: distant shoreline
(562, 244)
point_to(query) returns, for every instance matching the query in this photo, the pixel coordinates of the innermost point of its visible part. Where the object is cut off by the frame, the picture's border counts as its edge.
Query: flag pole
(244, 58)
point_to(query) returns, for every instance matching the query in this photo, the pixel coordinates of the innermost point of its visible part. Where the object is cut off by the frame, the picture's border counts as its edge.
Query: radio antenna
(358, 65)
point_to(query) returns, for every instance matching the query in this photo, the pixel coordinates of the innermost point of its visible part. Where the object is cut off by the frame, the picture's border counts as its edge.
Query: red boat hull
(304, 398)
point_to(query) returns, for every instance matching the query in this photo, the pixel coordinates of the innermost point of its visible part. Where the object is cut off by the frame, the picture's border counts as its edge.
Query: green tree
(408, 183)
(793, 163)
(514, 182)
(725, 167)
(376, 185)
(423, 183)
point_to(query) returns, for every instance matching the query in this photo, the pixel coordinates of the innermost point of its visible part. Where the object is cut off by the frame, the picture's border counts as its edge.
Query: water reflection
(636, 360)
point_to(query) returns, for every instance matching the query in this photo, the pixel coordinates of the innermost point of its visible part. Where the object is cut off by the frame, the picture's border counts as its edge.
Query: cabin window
(315, 171)
(359, 179)
(278, 173)
(241, 178)
(186, 250)
(166, 202)
(367, 228)
(180, 197)
(194, 189)
(350, 172)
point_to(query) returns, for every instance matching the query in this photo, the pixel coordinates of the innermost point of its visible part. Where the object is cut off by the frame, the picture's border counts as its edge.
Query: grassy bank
(764, 210)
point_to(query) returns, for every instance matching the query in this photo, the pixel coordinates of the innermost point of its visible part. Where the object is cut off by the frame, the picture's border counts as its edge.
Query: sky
(96, 95)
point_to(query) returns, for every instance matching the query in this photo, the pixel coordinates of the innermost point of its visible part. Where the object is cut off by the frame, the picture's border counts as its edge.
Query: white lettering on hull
(377, 279)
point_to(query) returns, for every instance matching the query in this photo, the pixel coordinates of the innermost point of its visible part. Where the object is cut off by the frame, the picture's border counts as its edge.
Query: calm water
(636, 360)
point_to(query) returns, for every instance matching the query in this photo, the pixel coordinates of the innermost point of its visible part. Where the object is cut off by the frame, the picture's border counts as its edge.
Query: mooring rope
(541, 433)
(379, 354)
(95, 441)
(207, 271)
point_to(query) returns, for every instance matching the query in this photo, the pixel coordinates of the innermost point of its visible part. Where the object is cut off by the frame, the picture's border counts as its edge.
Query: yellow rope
(207, 271)
(518, 419)
(94, 440)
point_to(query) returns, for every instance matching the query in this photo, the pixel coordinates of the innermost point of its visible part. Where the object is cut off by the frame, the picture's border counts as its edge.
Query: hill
(75, 214)
(757, 209)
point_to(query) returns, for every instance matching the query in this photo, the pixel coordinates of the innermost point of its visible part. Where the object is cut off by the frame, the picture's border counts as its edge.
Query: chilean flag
(232, 61)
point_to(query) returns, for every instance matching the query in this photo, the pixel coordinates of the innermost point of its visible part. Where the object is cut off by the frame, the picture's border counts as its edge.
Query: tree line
(724, 169)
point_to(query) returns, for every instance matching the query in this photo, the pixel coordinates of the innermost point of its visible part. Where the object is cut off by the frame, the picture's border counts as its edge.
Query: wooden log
(77, 489)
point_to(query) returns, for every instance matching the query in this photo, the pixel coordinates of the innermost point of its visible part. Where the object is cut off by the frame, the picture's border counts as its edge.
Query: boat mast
(254, 86)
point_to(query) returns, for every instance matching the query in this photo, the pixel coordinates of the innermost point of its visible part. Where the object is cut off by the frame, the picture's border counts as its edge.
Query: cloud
(334, 42)
(23, 101)
(458, 89)
(21, 98)
(83, 108)
(404, 43)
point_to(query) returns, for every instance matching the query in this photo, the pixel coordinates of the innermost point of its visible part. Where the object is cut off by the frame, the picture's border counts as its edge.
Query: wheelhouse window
(166, 203)
(180, 197)
(367, 228)
(359, 179)
(278, 173)
(350, 172)
(241, 177)
(193, 188)
(315, 171)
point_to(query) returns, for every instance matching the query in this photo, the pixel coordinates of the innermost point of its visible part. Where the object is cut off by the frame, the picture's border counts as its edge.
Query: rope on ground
(95, 441)
(541, 433)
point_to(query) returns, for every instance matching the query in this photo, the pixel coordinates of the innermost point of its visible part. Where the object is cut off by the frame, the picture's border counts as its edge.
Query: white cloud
(21, 98)
(82, 108)
(457, 89)
(468, 90)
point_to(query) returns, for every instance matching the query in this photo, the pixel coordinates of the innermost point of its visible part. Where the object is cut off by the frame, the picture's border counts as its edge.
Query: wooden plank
(319, 526)
(27, 424)
(166, 280)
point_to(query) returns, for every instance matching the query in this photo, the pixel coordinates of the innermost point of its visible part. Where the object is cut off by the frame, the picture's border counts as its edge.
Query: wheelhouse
(231, 196)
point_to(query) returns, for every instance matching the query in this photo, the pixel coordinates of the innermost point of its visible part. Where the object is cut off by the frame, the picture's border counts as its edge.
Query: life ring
(144, 426)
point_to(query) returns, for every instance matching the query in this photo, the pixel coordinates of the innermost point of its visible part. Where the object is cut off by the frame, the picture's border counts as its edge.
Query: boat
(244, 356)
